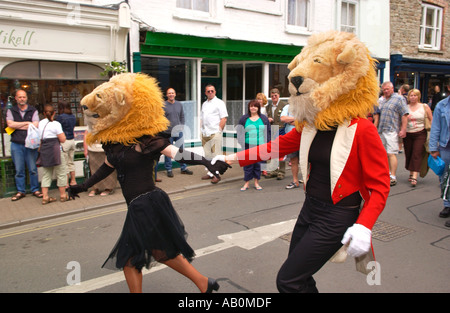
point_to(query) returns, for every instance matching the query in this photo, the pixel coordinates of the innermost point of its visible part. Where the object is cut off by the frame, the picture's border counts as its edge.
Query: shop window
(181, 75)
(402, 78)
(278, 78)
(430, 27)
(22, 70)
(58, 70)
(243, 83)
(52, 70)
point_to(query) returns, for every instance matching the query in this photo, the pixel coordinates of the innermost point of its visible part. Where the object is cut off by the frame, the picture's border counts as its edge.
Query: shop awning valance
(168, 44)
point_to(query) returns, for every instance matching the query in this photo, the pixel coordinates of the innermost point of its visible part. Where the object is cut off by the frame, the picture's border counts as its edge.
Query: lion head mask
(125, 108)
(332, 80)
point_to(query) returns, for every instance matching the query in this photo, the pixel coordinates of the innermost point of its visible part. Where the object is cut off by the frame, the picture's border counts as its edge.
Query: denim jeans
(25, 158)
(168, 161)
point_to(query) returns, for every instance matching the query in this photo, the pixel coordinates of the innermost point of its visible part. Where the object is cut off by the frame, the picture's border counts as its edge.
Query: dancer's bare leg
(182, 266)
(133, 278)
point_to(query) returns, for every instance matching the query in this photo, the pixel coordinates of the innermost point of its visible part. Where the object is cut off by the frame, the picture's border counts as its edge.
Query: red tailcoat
(358, 162)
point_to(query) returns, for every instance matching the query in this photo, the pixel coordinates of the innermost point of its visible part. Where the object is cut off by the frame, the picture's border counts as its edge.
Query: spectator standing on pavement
(18, 118)
(175, 114)
(274, 113)
(287, 118)
(439, 141)
(262, 99)
(51, 131)
(392, 124)
(68, 122)
(212, 121)
(256, 128)
(416, 134)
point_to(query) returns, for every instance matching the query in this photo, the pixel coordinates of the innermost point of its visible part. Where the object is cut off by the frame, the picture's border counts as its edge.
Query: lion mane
(124, 109)
(332, 80)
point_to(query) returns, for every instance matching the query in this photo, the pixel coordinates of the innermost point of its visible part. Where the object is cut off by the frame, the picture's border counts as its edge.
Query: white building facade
(243, 47)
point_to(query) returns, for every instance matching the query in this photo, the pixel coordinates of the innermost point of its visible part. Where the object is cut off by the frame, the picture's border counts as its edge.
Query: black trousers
(315, 239)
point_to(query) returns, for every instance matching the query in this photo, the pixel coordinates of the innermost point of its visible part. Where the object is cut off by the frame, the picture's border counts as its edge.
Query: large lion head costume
(332, 80)
(123, 109)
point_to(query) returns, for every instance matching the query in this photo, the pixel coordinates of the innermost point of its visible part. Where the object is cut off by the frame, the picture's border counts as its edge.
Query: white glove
(359, 237)
(219, 157)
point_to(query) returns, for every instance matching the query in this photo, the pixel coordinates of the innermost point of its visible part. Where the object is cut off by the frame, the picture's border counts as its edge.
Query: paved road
(241, 238)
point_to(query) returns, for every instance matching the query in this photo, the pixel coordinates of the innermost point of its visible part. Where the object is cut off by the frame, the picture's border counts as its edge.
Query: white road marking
(247, 239)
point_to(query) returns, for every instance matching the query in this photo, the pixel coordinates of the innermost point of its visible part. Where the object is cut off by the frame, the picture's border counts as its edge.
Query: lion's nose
(297, 81)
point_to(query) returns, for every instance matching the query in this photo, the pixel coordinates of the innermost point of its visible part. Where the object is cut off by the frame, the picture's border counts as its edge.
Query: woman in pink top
(416, 134)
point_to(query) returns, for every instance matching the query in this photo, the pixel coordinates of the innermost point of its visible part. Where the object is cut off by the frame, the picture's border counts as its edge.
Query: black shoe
(445, 212)
(447, 224)
(188, 172)
(212, 285)
(169, 174)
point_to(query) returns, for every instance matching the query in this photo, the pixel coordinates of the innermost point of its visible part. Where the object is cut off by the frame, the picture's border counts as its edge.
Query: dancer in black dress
(152, 230)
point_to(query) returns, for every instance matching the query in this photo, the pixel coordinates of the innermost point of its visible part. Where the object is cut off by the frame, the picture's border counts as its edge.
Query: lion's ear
(120, 97)
(348, 55)
(293, 64)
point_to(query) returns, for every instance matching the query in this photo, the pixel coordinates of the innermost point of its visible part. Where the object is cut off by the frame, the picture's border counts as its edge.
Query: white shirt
(212, 112)
(52, 130)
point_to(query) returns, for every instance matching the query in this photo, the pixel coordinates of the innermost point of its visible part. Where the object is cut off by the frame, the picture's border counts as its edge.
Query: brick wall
(405, 29)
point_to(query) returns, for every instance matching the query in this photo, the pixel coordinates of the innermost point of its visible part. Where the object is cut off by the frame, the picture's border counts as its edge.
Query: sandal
(38, 194)
(93, 193)
(64, 199)
(107, 192)
(244, 188)
(413, 182)
(47, 201)
(258, 187)
(18, 196)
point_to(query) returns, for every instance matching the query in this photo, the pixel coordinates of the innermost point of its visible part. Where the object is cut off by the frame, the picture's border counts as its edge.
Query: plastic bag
(33, 139)
(437, 165)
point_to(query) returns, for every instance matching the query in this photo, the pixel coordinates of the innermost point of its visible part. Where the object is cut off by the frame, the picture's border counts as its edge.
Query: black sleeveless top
(134, 167)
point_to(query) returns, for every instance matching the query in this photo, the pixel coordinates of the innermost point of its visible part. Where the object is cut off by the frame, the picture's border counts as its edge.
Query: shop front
(55, 52)
(429, 76)
(238, 69)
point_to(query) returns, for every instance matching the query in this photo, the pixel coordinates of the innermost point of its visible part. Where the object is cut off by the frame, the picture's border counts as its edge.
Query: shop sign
(16, 38)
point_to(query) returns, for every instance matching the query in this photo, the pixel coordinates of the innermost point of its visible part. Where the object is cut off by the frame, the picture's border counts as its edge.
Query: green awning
(168, 44)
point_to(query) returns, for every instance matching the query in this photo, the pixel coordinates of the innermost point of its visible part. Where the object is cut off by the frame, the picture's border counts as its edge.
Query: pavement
(30, 209)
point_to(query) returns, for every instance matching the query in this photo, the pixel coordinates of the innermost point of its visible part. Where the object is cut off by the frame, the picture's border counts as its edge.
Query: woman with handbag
(50, 155)
(419, 123)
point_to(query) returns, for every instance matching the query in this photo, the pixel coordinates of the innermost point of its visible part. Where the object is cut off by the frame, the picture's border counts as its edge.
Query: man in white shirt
(212, 120)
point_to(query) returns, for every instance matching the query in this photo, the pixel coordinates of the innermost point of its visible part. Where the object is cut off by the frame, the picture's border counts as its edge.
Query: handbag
(426, 122)
(49, 153)
(32, 141)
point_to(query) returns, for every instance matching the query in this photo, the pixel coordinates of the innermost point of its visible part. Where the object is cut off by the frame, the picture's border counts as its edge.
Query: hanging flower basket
(114, 68)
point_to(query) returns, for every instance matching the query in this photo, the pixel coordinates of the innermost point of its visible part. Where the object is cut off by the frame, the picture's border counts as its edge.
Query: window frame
(339, 16)
(436, 28)
(295, 29)
(197, 15)
(272, 7)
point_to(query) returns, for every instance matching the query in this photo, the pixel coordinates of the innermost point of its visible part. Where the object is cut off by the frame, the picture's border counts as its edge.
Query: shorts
(390, 141)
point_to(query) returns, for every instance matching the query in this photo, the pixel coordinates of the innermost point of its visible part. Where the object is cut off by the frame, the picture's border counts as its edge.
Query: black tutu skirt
(152, 231)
